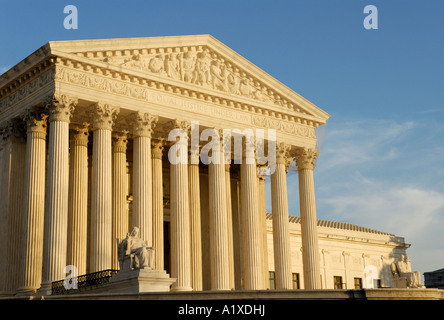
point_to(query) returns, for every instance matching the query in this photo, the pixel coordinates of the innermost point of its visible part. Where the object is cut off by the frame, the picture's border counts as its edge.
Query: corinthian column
(195, 221)
(156, 154)
(180, 208)
(143, 124)
(305, 161)
(281, 236)
(11, 202)
(251, 235)
(78, 200)
(101, 193)
(120, 224)
(56, 214)
(34, 204)
(220, 272)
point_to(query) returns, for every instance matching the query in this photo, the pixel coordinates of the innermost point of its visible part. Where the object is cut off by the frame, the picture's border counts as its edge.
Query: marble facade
(85, 156)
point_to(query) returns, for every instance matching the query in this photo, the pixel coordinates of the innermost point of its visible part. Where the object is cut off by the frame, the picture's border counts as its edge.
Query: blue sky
(381, 163)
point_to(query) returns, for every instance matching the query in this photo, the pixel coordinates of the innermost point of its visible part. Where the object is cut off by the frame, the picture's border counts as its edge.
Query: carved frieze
(28, 89)
(146, 92)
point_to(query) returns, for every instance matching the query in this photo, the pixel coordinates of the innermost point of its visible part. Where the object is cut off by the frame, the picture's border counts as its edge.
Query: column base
(6, 294)
(139, 281)
(26, 291)
(182, 289)
(45, 289)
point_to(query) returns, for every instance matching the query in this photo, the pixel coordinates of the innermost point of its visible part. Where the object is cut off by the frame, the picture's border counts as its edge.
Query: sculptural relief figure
(402, 270)
(135, 249)
(219, 75)
(187, 61)
(136, 61)
(172, 66)
(233, 82)
(156, 65)
(245, 88)
(202, 69)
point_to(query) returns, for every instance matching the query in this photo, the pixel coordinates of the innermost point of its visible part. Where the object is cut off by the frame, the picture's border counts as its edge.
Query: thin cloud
(385, 175)
(358, 143)
(413, 213)
(429, 111)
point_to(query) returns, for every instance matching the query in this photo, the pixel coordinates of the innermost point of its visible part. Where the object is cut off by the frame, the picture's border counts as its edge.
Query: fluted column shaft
(142, 187)
(220, 273)
(101, 193)
(252, 253)
(156, 153)
(305, 160)
(180, 212)
(56, 214)
(34, 204)
(195, 225)
(78, 200)
(120, 223)
(142, 175)
(12, 183)
(281, 235)
(229, 227)
(263, 228)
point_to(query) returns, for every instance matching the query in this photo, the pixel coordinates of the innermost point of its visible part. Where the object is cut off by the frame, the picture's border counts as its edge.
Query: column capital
(176, 124)
(60, 107)
(282, 152)
(13, 130)
(79, 134)
(104, 116)
(306, 158)
(261, 171)
(36, 122)
(143, 123)
(157, 146)
(248, 149)
(120, 140)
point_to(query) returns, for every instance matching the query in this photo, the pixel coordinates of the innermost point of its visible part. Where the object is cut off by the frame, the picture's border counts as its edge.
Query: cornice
(136, 84)
(22, 68)
(19, 83)
(97, 49)
(194, 91)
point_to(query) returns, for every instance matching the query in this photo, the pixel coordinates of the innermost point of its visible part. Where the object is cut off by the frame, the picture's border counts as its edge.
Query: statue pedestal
(139, 281)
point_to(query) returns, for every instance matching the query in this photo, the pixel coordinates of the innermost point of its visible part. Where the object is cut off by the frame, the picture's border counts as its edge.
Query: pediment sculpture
(202, 67)
(134, 253)
(403, 276)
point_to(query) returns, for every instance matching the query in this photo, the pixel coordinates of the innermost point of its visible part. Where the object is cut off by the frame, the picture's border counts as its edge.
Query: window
(337, 281)
(358, 283)
(271, 276)
(295, 277)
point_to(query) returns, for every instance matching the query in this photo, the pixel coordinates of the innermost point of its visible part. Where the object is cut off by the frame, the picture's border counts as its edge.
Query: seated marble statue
(133, 247)
(403, 270)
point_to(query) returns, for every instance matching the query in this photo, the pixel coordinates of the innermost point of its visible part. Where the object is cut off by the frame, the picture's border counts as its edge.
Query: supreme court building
(85, 157)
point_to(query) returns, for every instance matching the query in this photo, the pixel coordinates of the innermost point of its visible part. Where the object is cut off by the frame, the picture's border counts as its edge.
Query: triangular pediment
(196, 61)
